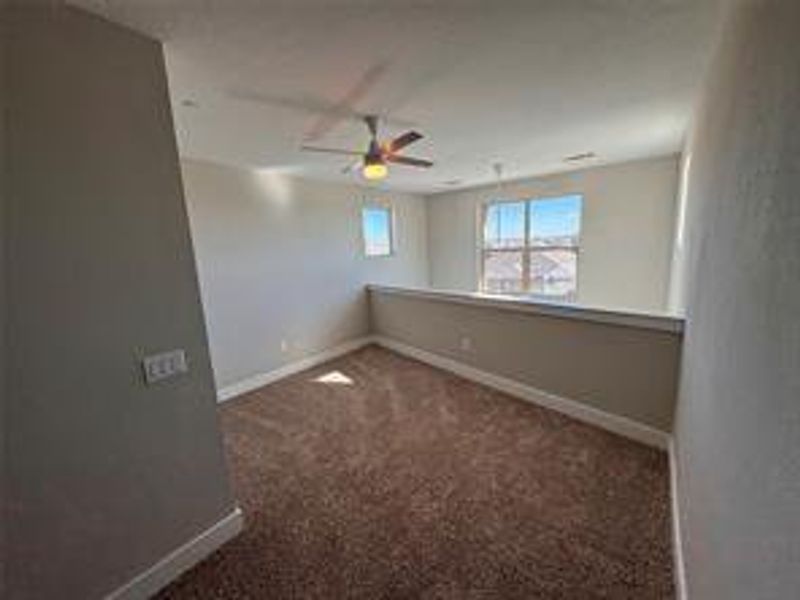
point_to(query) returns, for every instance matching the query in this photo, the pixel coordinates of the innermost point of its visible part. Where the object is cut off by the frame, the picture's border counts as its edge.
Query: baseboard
(681, 592)
(620, 425)
(147, 583)
(262, 379)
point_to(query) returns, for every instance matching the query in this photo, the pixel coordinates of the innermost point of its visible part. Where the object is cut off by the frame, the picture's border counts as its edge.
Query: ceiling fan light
(375, 171)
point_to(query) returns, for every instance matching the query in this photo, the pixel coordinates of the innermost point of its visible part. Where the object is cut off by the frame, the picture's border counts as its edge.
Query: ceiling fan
(374, 161)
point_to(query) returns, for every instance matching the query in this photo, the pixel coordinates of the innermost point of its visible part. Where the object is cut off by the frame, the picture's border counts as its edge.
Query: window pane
(502, 271)
(377, 224)
(554, 274)
(505, 225)
(556, 221)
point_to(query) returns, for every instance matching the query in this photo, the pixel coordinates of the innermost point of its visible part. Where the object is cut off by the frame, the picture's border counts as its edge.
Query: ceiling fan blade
(372, 125)
(302, 104)
(401, 141)
(330, 150)
(344, 108)
(407, 160)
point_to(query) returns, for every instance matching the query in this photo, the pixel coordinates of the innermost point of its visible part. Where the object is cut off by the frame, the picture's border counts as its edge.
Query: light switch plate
(164, 365)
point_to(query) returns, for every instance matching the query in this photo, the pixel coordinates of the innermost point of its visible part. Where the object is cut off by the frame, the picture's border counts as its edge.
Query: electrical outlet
(164, 365)
(465, 343)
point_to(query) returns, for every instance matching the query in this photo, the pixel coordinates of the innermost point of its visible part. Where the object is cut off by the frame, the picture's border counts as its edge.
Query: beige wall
(738, 416)
(626, 371)
(107, 476)
(280, 258)
(626, 231)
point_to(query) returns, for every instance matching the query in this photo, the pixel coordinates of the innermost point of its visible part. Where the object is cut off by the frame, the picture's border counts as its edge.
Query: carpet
(376, 476)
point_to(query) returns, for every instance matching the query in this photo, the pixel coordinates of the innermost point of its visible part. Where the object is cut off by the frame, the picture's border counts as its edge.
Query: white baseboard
(681, 592)
(147, 583)
(262, 379)
(578, 410)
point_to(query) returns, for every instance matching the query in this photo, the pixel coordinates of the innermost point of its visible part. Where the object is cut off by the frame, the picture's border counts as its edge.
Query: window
(531, 247)
(376, 224)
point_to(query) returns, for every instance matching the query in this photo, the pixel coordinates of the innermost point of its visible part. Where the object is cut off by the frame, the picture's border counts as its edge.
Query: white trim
(681, 592)
(620, 425)
(262, 379)
(668, 323)
(169, 568)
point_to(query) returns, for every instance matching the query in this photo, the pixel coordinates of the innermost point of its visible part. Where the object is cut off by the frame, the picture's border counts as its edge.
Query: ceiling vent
(580, 157)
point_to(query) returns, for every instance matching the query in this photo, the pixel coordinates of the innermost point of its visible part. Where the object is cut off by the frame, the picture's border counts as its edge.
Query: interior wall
(622, 370)
(106, 475)
(281, 264)
(3, 396)
(738, 415)
(626, 231)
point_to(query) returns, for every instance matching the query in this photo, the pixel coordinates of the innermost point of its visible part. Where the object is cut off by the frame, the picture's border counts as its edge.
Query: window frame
(389, 209)
(526, 248)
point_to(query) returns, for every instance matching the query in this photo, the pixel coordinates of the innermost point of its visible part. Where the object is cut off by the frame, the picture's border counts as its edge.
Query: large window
(530, 247)
(376, 222)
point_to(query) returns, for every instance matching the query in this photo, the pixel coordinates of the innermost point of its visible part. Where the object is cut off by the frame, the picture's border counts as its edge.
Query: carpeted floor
(375, 476)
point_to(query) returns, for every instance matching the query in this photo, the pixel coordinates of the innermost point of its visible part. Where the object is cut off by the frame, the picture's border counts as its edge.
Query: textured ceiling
(525, 83)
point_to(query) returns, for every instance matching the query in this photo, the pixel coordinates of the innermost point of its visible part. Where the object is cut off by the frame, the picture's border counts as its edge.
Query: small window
(531, 247)
(377, 229)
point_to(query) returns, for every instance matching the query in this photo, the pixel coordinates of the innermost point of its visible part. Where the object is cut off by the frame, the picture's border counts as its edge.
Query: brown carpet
(375, 476)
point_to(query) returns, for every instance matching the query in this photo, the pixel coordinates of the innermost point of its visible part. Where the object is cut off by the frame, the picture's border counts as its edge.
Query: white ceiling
(525, 83)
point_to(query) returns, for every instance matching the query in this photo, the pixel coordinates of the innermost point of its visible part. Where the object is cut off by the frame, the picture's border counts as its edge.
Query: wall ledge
(640, 320)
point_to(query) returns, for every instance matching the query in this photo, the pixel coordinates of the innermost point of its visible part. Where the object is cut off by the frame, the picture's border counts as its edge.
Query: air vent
(580, 157)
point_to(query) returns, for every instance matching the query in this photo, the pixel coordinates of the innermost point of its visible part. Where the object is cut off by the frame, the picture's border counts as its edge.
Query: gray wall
(738, 416)
(106, 475)
(3, 184)
(626, 371)
(626, 231)
(280, 258)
